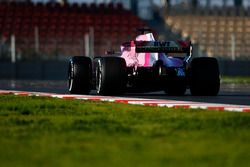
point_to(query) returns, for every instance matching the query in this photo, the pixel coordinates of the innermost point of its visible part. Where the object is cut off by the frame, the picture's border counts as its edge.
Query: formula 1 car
(146, 65)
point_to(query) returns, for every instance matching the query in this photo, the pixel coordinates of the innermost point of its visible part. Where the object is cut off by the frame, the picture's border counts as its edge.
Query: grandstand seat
(66, 24)
(213, 30)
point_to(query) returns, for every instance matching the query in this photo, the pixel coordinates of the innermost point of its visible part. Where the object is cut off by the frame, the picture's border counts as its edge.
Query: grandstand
(61, 28)
(220, 31)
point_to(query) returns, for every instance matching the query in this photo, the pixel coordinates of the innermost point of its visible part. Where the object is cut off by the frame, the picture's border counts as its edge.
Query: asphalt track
(229, 93)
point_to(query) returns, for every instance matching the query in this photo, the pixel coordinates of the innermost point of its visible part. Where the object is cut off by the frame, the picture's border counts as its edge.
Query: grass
(40, 131)
(235, 79)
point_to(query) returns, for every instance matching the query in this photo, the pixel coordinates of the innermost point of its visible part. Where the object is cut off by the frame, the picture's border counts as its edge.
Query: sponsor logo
(180, 72)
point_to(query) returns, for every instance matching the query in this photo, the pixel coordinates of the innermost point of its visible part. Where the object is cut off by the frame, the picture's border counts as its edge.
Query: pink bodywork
(146, 59)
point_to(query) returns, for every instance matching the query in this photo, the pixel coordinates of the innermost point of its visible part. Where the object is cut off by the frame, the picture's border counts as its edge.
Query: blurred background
(37, 37)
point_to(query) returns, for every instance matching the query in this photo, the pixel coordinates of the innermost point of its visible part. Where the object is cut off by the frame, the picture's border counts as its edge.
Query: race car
(145, 65)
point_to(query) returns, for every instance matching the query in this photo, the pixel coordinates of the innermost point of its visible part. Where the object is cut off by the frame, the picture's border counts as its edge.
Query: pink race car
(145, 65)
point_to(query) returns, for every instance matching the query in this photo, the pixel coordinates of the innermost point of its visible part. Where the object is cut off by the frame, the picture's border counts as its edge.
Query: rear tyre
(111, 75)
(79, 75)
(204, 77)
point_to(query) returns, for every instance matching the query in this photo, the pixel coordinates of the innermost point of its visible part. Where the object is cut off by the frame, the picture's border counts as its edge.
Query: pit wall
(45, 70)
(57, 70)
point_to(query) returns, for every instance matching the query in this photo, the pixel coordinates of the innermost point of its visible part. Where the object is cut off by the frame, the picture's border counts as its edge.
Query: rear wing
(162, 47)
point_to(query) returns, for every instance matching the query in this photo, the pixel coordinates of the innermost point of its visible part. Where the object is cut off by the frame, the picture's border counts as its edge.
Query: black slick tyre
(111, 76)
(79, 75)
(204, 77)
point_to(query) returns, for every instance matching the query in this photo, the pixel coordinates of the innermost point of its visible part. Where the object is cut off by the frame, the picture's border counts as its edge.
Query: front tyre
(204, 77)
(79, 75)
(111, 75)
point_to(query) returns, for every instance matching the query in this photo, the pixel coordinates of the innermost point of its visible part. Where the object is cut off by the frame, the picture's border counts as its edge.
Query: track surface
(229, 94)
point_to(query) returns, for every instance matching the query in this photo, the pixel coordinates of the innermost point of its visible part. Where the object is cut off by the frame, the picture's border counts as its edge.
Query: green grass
(235, 79)
(37, 131)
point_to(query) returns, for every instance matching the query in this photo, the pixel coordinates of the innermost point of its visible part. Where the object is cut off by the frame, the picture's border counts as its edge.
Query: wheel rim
(71, 72)
(98, 77)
